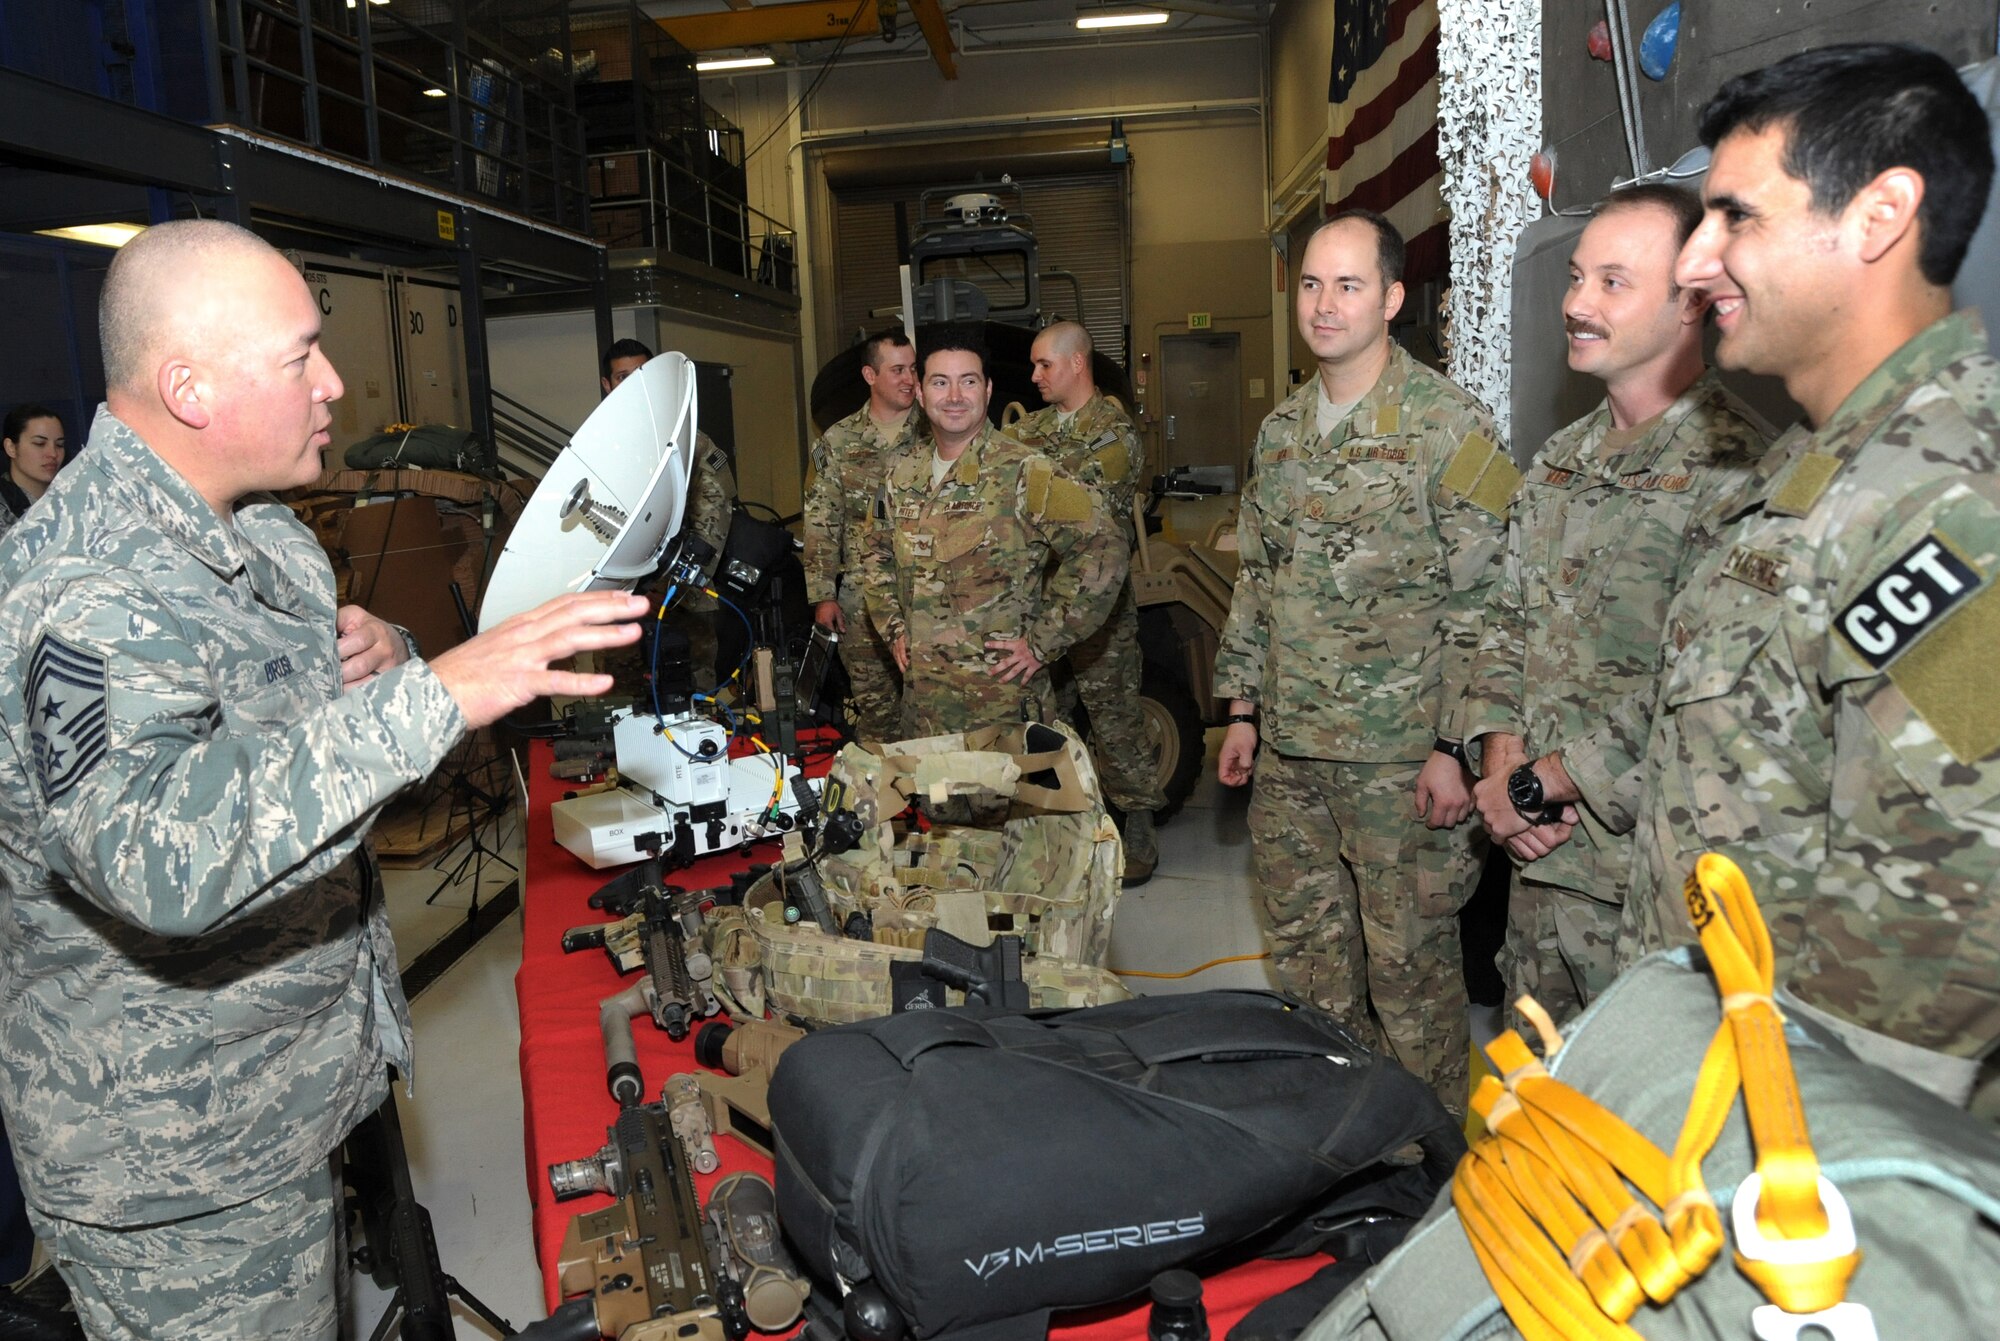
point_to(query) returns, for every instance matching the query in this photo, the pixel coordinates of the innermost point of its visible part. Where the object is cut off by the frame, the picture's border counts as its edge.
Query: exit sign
(1199, 321)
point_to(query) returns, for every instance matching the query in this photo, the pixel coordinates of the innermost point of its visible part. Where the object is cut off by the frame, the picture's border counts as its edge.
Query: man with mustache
(198, 990)
(1371, 531)
(960, 540)
(1827, 718)
(1608, 518)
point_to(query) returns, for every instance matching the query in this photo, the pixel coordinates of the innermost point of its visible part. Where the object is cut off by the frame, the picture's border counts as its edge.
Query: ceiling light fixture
(434, 92)
(1126, 18)
(735, 63)
(97, 235)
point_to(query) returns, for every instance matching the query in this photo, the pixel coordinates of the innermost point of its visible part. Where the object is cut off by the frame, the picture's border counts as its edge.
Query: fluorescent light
(433, 93)
(98, 235)
(1130, 18)
(735, 63)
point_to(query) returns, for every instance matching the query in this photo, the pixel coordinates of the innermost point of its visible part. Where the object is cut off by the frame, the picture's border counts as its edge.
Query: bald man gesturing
(198, 991)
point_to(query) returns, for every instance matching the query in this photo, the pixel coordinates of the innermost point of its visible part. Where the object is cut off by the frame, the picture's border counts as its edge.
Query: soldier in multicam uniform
(1827, 718)
(961, 542)
(1607, 521)
(1371, 530)
(1089, 435)
(200, 989)
(711, 507)
(849, 463)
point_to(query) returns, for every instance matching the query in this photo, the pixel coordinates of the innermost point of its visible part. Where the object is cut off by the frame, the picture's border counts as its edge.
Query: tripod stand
(470, 782)
(401, 1248)
(485, 808)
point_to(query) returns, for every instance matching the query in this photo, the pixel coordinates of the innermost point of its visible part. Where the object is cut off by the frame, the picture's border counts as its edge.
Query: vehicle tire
(1179, 740)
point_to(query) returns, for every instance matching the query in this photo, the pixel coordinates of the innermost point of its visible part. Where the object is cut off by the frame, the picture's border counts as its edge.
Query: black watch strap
(1524, 789)
(1452, 748)
(1241, 718)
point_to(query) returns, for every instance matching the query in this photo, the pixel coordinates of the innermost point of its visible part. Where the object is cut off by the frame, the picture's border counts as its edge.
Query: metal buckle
(1838, 1241)
(1843, 1322)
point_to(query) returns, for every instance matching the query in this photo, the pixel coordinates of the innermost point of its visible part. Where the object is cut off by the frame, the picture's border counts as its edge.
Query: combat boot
(1142, 847)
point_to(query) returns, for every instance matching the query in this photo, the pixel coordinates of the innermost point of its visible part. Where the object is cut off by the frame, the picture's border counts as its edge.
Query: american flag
(1382, 149)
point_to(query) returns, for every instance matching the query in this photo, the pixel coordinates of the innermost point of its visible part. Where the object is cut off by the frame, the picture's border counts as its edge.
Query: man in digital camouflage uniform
(849, 463)
(198, 990)
(1827, 718)
(711, 507)
(1371, 531)
(1089, 435)
(1610, 516)
(986, 561)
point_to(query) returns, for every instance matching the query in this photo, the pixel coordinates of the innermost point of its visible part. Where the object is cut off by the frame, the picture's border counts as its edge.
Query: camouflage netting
(1046, 868)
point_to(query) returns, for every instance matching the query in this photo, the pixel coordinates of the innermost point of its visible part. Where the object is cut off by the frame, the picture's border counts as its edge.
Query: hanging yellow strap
(1790, 1253)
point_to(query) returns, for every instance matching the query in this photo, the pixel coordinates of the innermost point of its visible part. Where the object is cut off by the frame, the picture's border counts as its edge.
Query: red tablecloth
(567, 1107)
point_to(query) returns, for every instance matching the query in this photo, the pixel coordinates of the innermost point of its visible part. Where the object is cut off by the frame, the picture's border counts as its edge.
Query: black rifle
(668, 923)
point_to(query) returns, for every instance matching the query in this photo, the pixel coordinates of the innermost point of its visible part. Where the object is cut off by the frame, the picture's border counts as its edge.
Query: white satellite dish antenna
(603, 514)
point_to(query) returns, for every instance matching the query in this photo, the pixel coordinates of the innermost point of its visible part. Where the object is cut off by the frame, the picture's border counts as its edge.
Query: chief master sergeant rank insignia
(66, 688)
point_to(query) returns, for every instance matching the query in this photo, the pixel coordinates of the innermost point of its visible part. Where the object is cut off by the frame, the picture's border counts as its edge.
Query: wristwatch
(1524, 789)
(1241, 718)
(1452, 748)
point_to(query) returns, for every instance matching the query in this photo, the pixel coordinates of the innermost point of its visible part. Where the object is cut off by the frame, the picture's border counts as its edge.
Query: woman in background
(33, 439)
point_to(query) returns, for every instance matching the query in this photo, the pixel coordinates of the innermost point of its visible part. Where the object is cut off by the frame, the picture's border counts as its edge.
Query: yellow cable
(1199, 968)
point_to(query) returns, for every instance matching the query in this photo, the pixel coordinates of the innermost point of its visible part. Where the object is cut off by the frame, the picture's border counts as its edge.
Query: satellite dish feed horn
(602, 516)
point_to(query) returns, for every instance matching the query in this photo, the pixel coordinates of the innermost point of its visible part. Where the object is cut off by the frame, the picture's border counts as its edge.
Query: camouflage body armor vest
(1048, 872)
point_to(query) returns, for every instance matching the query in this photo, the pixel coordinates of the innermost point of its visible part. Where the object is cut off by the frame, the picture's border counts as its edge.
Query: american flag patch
(66, 714)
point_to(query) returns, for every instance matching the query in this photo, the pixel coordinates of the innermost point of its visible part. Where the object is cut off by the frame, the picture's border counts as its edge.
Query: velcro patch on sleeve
(1053, 498)
(1482, 474)
(1931, 620)
(1948, 678)
(1113, 461)
(1906, 600)
(67, 718)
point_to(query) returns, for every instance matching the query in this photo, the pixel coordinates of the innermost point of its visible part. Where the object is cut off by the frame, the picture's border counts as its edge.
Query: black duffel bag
(980, 1168)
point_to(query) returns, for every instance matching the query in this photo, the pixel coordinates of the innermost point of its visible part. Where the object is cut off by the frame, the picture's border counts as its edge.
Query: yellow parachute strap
(1544, 1195)
(1792, 1234)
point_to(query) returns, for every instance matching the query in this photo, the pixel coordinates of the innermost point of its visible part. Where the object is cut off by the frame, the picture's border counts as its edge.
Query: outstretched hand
(509, 665)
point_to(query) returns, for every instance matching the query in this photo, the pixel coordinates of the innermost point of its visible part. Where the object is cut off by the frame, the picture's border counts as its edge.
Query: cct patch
(66, 714)
(1905, 600)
